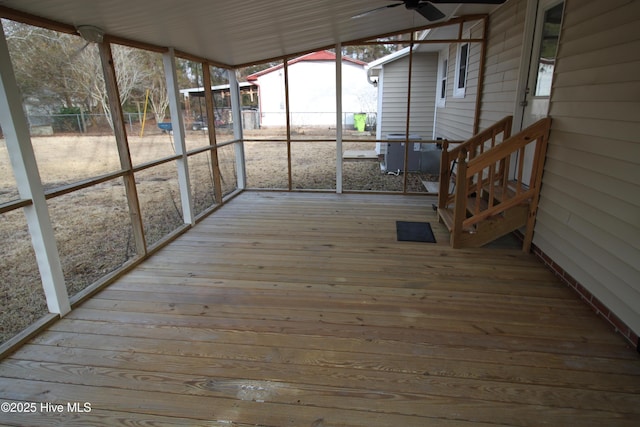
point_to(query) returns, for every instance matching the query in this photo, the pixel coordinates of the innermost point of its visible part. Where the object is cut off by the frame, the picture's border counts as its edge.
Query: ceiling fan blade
(377, 9)
(429, 11)
(426, 8)
(469, 1)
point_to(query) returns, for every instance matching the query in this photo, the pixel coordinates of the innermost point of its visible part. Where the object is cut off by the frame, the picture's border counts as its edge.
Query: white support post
(177, 124)
(23, 160)
(236, 112)
(339, 118)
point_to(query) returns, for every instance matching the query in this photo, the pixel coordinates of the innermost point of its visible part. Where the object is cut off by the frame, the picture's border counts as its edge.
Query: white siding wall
(312, 93)
(358, 95)
(423, 93)
(502, 66)
(589, 216)
(272, 99)
(454, 121)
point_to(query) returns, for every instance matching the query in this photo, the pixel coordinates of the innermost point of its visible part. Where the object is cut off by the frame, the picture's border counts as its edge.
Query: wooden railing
(472, 148)
(485, 177)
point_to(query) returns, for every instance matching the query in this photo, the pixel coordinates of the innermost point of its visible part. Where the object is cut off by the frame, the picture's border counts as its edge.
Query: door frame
(530, 51)
(528, 40)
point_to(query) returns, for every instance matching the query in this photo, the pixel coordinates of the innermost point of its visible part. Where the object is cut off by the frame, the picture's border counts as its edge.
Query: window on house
(442, 79)
(461, 70)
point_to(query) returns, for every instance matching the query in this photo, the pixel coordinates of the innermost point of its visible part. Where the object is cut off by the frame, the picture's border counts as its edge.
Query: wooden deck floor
(297, 309)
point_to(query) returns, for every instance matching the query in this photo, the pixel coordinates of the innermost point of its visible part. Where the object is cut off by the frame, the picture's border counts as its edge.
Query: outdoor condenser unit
(423, 157)
(394, 159)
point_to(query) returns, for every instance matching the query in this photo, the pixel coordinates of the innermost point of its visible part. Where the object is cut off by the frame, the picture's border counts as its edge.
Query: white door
(543, 55)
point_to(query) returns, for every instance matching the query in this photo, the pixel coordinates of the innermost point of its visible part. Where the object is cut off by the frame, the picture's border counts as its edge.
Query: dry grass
(92, 226)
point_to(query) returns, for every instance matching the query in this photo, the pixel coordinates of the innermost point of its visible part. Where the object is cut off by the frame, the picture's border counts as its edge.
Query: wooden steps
(431, 186)
(492, 228)
(486, 206)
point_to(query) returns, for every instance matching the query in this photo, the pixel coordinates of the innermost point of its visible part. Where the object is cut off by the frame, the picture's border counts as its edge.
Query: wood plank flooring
(302, 309)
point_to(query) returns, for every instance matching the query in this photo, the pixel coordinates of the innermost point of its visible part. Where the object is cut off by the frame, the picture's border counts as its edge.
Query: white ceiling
(236, 32)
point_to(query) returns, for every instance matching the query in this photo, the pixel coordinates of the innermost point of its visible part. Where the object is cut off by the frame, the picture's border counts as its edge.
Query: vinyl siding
(589, 216)
(502, 66)
(454, 121)
(312, 88)
(423, 93)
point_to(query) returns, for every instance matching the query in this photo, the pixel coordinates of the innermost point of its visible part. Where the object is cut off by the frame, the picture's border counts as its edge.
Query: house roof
(323, 55)
(232, 33)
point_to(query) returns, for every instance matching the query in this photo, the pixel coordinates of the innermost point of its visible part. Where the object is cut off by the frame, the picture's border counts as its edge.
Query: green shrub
(67, 120)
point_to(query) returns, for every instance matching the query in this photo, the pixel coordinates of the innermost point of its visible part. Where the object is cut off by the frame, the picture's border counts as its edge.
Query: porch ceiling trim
(223, 34)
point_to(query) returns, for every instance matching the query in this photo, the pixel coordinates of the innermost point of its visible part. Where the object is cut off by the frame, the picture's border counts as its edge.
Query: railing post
(445, 175)
(29, 185)
(536, 181)
(131, 191)
(460, 206)
(211, 125)
(339, 169)
(238, 135)
(177, 123)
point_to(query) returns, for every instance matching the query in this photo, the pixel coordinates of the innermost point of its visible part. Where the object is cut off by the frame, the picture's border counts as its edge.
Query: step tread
(500, 193)
(446, 215)
(471, 204)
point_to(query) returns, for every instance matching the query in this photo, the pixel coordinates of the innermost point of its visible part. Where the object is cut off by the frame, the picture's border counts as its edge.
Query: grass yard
(93, 228)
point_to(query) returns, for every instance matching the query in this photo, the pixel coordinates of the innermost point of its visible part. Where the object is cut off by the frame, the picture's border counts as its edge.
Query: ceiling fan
(427, 8)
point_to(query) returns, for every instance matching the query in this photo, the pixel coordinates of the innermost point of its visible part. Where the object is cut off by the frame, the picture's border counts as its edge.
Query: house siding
(589, 215)
(455, 120)
(423, 95)
(312, 88)
(503, 61)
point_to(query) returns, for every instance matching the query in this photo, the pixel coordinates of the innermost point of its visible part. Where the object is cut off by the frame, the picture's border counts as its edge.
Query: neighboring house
(442, 102)
(389, 74)
(222, 105)
(312, 88)
(39, 117)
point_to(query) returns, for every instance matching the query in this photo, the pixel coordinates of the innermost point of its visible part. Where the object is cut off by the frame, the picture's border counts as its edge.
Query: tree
(156, 84)
(40, 58)
(243, 73)
(62, 71)
(86, 71)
